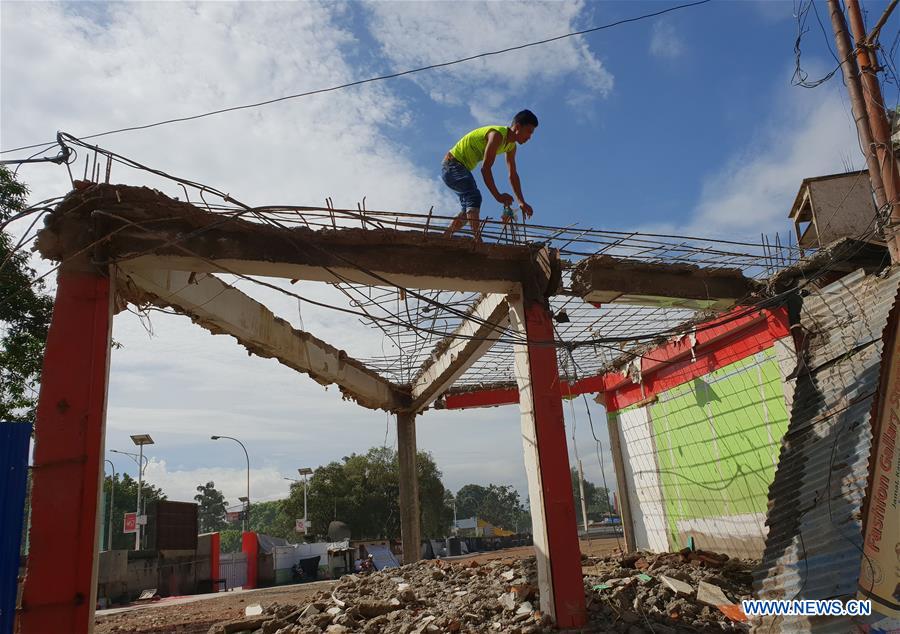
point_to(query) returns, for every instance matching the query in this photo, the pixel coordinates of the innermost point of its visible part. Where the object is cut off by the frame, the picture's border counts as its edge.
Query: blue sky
(686, 123)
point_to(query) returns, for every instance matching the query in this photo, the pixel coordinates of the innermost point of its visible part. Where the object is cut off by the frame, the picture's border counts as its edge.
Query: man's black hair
(525, 117)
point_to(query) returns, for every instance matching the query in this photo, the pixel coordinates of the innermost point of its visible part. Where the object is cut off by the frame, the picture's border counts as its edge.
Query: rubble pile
(635, 593)
(432, 596)
(667, 593)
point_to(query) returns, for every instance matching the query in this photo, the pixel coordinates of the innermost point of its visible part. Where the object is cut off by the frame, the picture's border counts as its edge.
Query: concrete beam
(219, 308)
(454, 355)
(151, 231)
(603, 279)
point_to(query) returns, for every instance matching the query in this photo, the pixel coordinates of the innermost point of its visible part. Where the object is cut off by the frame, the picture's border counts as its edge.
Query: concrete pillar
(615, 447)
(410, 530)
(547, 465)
(61, 580)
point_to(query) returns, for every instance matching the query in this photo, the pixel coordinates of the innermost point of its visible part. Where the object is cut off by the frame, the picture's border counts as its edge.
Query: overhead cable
(380, 77)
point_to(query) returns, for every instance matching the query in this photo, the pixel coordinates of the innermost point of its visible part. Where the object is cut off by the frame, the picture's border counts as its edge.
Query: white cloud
(811, 135)
(493, 88)
(104, 66)
(665, 41)
(181, 484)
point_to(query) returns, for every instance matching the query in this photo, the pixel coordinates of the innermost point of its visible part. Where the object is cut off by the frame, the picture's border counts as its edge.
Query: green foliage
(230, 540)
(264, 516)
(596, 498)
(498, 504)
(25, 313)
(126, 502)
(211, 508)
(364, 492)
(361, 490)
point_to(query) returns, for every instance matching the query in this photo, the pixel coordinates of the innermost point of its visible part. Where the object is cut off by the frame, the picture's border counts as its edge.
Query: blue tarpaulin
(14, 442)
(382, 556)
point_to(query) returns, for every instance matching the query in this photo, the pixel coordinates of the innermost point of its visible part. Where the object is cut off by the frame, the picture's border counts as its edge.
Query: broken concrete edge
(611, 276)
(487, 321)
(110, 213)
(841, 256)
(445, 343)
(130, 291)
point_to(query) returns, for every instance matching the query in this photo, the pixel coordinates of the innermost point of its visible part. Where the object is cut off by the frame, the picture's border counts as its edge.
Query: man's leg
(457, 224)
(475, 223)
(461, 181)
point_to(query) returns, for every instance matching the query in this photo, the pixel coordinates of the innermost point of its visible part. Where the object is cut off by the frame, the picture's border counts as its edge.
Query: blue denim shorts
(460, 180)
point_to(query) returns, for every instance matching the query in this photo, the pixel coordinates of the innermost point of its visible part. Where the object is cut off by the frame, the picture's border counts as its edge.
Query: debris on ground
(659, 592)
(634, 593)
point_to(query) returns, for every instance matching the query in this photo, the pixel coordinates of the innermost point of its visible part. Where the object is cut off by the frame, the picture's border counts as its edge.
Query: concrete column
(410, 530)
(60, 588)
(547, 465)
(615, 447)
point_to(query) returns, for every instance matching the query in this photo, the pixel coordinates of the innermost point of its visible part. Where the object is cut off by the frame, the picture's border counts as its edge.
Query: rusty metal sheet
(814, 544)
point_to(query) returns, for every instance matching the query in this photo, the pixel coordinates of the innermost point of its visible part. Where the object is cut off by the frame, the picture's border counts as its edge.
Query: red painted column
(215, 549)
(250, 546)
(61, 578)
(553, 458)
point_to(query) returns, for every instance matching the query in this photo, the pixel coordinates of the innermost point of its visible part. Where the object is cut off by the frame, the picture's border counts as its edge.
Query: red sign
(130, 523)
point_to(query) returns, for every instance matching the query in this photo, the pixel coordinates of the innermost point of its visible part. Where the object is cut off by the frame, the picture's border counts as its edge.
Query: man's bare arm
(516, 183)
(490, 153)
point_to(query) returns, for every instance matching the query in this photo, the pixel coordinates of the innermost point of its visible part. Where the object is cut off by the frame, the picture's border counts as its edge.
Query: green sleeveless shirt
(469, 150)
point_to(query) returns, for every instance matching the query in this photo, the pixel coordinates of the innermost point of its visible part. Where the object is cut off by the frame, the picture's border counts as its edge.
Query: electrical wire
(382, 77)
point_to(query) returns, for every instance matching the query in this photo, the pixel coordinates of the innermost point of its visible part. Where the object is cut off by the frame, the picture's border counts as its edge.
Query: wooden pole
(857, 103)
(867, 60)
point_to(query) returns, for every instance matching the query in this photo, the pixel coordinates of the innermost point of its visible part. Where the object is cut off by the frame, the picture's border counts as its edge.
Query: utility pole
(580, 472)
(867, 61)
(860, 115)
(305, 472)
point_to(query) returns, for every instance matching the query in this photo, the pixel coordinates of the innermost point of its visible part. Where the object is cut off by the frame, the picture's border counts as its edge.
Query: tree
(125, 502)
(264, 518)
(596, 499)
(363, 490)
(230, 540)
(25, 313)
(212, 505)
(498, 504)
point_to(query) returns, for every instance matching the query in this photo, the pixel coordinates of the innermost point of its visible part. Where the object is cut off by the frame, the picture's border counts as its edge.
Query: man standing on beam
(484, 144)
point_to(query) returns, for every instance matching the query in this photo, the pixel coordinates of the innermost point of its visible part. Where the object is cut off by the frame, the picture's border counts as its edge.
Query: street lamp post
(305, 471)
(112, 505)
(140, 440)
(246, 523)
(141, 461)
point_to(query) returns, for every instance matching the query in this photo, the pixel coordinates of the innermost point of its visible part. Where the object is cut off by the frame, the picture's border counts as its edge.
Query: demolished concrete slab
(602, 279)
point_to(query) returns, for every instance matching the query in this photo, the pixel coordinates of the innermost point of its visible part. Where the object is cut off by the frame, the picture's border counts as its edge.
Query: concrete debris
(421, 598)
(253, 610)
(664, 601)
(502, 596)
(711, 594)
(676, 586)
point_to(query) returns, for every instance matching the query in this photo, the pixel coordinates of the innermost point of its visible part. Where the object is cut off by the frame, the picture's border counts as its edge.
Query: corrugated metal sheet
(814, 545)
(14, 441)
